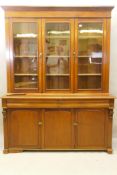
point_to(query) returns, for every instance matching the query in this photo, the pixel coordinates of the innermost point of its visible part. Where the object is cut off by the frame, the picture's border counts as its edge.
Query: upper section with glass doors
(58, 54)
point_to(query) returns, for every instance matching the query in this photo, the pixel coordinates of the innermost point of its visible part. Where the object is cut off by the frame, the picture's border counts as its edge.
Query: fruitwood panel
(23, 128)
(57, 129)
(91, 128)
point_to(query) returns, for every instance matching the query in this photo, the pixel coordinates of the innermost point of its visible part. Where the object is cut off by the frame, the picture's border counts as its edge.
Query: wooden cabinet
(58, 79)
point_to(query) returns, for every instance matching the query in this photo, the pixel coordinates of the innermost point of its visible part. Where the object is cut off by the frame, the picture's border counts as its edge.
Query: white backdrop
(113, 56)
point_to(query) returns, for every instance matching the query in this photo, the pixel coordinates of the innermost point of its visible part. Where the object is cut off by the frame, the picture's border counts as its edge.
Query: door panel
(23, 128)
(57, 41)
(58, 129)
(91, 128)
(26, 48)
(89, 44)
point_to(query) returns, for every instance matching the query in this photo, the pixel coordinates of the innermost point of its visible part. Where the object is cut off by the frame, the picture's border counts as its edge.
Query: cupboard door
(57, 54)
(91, 128)
(23, 129)
(58, 131)
(26, 48)
(89, 54)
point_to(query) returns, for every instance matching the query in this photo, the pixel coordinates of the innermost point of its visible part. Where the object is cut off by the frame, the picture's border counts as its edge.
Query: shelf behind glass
(25, 56)
(86, 74)
(20, 74)
(57, 74)
(58, 37)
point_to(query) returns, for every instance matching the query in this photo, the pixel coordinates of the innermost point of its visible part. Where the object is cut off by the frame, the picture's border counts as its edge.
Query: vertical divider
(43, 55)
(40, 87)
(72, 59)
(76, 55)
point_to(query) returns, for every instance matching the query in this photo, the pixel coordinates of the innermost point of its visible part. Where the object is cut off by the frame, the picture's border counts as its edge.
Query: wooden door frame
(10, 57)
(105, 72)
(71, 61)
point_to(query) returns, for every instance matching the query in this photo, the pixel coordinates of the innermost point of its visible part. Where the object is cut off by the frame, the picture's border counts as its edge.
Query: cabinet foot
(5, 151)
(109, 151)
(12, 150)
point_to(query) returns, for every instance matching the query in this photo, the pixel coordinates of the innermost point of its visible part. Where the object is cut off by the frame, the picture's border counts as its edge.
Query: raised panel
(23, 128)
(58, 129)
(91, 128)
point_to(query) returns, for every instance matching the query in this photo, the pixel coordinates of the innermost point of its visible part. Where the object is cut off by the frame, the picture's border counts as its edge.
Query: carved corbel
(111, 113)
(4, 112)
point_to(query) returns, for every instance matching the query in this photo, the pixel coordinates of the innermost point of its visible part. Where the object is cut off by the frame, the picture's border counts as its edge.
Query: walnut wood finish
(23, 128)
(91, 128)
(72, 119)
(58, 129)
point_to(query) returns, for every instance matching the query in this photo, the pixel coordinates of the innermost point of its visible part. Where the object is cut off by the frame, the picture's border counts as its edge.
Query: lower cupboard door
(58, 129)
(23, 129)
(90, 131)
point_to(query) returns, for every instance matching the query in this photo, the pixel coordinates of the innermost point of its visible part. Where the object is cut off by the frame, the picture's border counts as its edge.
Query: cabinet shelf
(88, 64)
(89, 37)
(15, 37)
(57, 37)
(90, 74)
(58, 56)
(88, 56)
(57, 74)
(25, 56)
(24, 84)
(20, 74)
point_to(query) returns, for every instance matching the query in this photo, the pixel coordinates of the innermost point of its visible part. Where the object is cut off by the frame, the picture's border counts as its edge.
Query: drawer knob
(40, 123)
(75, 123)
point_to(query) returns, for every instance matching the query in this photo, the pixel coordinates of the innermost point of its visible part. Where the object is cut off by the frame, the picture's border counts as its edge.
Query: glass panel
(25, 81)
(57, 44)
(25, 54)
(90, 55)
(89, 82)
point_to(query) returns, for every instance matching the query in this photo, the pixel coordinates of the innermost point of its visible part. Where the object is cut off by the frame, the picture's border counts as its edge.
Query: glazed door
(90, 128)
(90, 54)
(24, 129)
(25, 52)
(58, 129)
(58, 57)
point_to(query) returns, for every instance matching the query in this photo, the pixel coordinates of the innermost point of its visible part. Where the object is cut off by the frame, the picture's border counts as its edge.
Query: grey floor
(59, 163)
